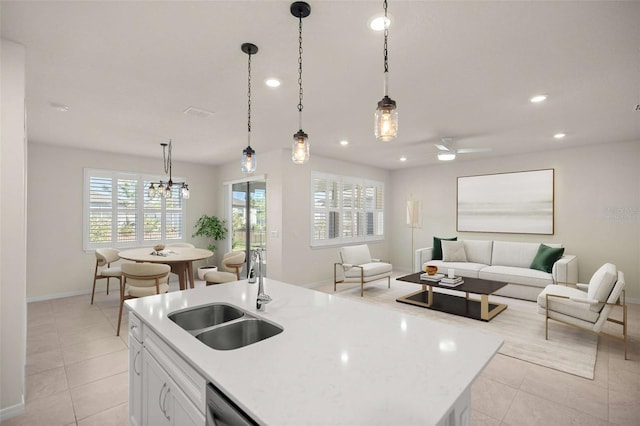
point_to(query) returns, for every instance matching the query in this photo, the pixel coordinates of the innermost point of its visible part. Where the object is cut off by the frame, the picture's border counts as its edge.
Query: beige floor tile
(53, 410)
(116, 416)
(101, 395)
(47, 383)
(42, 361)
(83, 351)
(81, 321)
(506, 370)
(479, 419)
(87, 334)
(624, 381)
(97, 368)
(571, 391)
(491, 398)
(531, 410)
(42, 341)
(624, 408)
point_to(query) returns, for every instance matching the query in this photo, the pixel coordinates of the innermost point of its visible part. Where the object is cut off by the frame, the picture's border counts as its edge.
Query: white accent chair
(232, 262)
(588, 306)
(142, 279)
(357, 266)
(104, 258)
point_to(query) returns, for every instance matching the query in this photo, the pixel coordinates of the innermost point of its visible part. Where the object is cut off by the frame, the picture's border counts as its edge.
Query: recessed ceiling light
(344, 142)
(538, 98)
(559, 135)
(59, 107)
(403, 159)
(272, 82)
(379, 23)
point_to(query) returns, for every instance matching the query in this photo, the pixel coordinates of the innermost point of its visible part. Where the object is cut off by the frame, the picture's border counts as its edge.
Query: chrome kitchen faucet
(262, 298)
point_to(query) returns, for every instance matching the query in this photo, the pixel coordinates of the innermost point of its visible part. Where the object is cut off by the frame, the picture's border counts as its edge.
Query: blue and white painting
(520, 202)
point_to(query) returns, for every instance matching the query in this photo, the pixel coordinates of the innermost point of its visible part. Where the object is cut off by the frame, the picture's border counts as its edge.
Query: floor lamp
(414, 220)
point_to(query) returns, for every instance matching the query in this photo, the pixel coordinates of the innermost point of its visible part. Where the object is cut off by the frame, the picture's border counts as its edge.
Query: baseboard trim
(57, 296)
(13, 411)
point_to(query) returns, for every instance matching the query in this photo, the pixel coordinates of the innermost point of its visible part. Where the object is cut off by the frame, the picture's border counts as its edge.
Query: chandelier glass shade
(249, 161)
(300, 147)
(162, 188)
(386, 116)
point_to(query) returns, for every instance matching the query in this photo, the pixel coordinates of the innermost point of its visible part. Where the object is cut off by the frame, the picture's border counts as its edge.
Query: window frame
(353, 215)
(140, 210)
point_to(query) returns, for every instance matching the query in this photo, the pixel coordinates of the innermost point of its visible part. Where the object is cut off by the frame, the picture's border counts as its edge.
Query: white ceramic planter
(204, 269)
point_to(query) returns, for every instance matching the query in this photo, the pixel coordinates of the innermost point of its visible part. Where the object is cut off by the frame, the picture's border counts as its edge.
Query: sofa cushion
(437, 247)
(546, 257)
(370, 269)
(453, 251)
(507, 253)
(355, 255)
(516, 275)
(478, 251)
(602, 282)
(464, 269)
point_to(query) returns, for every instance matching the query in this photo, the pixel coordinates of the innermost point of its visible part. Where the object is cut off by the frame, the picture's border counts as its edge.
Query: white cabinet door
(135, 381)
(163, 401)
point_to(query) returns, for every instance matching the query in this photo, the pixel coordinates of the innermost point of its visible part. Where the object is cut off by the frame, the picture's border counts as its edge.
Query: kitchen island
(337, 362)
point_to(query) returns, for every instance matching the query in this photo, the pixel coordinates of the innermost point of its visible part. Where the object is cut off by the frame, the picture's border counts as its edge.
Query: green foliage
(211, 227)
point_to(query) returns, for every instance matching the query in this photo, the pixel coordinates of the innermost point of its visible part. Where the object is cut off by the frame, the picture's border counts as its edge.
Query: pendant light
(386, 126)
(300, 148)
(164, 188)
(248, 163)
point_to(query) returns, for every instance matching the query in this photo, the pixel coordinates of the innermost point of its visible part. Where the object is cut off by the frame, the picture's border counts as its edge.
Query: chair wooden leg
(120, 316)
(108, 280)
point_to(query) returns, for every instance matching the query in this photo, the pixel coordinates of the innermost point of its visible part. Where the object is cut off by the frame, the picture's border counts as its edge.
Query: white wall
(290, 257)
(57, 263)
(592, 186)
(13, 240)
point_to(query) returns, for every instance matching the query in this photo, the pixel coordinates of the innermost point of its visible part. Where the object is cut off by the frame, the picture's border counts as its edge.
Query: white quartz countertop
(338, 362)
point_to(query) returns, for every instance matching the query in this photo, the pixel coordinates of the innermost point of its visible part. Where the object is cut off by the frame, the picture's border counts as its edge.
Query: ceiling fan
(447, 153)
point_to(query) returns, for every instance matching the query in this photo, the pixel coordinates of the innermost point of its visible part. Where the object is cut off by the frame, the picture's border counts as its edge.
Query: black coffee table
(453, 304)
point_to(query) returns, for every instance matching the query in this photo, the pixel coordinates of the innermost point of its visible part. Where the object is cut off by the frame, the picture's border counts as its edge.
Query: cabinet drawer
(185, 376)
(135, 327)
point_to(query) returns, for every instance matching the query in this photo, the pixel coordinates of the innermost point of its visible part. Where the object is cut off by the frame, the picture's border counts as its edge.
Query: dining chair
(232, 262)
(142, 279)
(104, 258)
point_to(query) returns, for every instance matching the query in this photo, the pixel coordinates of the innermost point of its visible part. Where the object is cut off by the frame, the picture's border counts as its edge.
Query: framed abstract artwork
(517, 202)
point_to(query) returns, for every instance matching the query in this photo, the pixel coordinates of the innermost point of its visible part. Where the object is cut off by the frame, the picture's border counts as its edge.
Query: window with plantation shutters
(345, 209)
(118, 211)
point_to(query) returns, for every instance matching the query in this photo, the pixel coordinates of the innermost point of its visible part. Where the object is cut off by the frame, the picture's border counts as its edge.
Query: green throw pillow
(437, 247)
(546, 257)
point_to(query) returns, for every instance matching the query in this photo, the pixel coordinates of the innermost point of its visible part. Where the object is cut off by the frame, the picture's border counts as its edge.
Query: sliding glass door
(249, 217)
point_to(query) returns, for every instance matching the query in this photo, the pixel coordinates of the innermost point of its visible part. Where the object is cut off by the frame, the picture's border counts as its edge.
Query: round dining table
(180, 259)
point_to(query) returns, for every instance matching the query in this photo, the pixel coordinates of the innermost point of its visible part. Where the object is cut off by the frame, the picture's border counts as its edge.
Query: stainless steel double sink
(223, 326)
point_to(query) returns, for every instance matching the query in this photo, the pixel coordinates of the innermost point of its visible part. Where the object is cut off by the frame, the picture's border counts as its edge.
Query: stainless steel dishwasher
(221, 411)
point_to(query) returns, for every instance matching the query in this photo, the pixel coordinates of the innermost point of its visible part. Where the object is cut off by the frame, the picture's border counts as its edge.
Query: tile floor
(77, 375)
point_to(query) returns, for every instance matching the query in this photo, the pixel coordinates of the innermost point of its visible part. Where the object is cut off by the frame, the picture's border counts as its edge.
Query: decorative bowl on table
(158, 247)
(431, 270)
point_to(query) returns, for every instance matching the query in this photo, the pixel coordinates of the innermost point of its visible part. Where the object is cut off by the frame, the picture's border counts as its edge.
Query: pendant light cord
(167, 160)
(249, 98)
(300, 69)
(386, 53)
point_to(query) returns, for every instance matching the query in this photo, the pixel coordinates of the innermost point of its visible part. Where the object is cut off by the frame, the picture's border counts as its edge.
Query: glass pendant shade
(167, 191)
(185, 192)
(249, 161)
(300, 148)
(152, 191)
(386, 120)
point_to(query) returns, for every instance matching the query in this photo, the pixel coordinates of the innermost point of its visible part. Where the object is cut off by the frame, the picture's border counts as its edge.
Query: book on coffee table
(451, 282)
(434, 277)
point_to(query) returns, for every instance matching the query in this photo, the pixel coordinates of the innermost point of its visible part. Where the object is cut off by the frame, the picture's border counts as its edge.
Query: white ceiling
(464, 69)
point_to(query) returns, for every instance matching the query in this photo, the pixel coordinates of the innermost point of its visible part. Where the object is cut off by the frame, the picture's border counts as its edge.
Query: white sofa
(506, 262)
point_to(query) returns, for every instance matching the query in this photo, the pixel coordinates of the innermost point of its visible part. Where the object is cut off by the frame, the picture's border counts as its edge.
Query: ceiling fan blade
(442, 147)
(469, 150)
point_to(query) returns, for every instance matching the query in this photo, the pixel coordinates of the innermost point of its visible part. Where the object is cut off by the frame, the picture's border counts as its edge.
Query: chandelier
(162, 188)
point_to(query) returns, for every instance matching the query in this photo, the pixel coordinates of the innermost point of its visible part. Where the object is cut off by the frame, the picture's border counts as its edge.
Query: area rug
(568, 349)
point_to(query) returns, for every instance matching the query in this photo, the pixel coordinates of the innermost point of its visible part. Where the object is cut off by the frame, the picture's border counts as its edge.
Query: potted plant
(214, 228)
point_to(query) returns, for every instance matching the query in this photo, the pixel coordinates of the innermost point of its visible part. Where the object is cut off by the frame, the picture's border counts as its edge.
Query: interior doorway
(249, 218)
